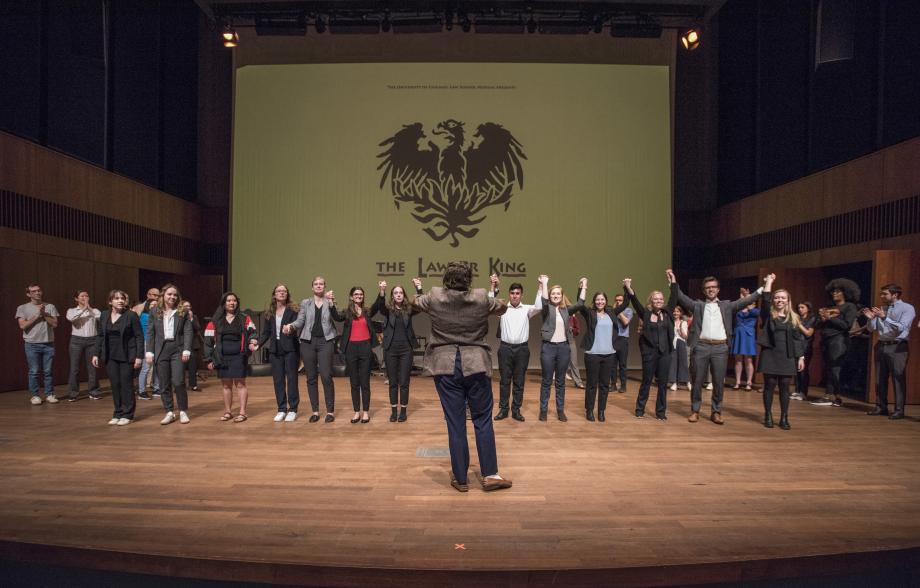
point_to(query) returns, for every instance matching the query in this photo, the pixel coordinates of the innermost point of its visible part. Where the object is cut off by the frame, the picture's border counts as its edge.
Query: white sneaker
(114, 421)
(123, 421)
(709, 386)
(183, 417)
(51, 399)
(673, 386)
(36, 400)
(291, 417)
(169, 418)
(279, 417)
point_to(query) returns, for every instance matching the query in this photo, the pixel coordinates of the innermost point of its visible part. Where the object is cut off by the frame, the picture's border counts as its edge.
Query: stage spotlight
(320, 24)
(230, 36)
(690, 40)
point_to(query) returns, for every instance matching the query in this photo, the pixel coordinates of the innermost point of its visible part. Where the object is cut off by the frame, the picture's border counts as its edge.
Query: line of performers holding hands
(306, 332)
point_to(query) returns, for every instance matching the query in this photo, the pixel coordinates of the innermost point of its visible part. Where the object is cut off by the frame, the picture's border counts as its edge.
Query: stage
(631, 501)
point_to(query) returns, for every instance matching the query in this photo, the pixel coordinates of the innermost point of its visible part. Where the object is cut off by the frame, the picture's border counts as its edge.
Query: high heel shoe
(784, 422)
(768, 420)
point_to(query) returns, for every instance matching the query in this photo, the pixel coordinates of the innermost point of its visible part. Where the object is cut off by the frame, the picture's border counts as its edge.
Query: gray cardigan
(306, 316)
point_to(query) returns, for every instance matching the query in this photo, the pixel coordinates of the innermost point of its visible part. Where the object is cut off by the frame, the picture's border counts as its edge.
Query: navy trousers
(456, 392)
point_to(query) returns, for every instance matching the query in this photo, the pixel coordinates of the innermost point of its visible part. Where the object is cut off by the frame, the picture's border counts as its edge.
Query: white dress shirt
(713, 328)
(83, 321)
(515, 323)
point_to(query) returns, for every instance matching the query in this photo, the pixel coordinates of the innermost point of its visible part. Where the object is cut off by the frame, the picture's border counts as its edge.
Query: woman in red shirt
(356, 343)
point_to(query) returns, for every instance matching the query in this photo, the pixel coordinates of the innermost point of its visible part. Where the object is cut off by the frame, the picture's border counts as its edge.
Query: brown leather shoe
(717, 418)
(694, 416)
(464, 487)
(490, 484)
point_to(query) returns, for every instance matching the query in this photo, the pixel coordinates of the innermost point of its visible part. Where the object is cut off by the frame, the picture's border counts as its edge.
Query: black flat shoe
(784, 423)
(517, 416)
(896, 415)
(878, 412)
(353, 421)
(502, 414)
(768, 421)
(314, 418)
(542, 415)
(330, 418)
(561, 416)
(661, 417)
(365, 421)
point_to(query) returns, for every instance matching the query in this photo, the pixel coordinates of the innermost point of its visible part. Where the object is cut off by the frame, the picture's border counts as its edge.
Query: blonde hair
(565, 299)
(161, 305)
(648, 301)
(791, 315)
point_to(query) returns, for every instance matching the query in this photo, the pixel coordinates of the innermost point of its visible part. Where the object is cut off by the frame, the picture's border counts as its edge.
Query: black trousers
(835, 353)
(171, 370)
(803, 378)
(512, 367)
(358, 364)
(618, 371)
(891, 360)
(317, 357)
(456, 392)
(398, 359)
(655, 365)
(284, 377)
(769, 384)
(598, 386)
(82, 348)
(121, 376)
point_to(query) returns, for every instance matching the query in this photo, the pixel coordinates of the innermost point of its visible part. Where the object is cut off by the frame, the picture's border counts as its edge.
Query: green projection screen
(363, 172)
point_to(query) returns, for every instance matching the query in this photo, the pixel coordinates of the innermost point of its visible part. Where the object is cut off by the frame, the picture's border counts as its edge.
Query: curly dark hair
(850, 289)
(459, 276)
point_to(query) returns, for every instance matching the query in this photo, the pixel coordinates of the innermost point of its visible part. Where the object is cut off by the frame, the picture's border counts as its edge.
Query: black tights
(769, 383)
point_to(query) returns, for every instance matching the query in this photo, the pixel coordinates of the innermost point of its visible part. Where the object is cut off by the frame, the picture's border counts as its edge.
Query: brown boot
(694, 417)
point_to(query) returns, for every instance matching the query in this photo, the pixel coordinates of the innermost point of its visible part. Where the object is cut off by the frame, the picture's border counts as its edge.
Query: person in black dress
(782, 350)
(655, 346)
(283, 352)
(120, 346)
(807, 324)
(399, 343)
(228, 339)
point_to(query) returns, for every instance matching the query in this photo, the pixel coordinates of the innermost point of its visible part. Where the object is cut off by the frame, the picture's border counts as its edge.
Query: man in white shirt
(514, 351)
(37, 320)
(83, 321)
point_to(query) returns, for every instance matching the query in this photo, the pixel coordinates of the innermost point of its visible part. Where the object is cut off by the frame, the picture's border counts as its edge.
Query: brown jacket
(459, 320)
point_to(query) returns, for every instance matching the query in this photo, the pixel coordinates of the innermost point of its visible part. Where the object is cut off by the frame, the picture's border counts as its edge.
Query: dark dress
(776, 360)
(227, 345)
(234, 361)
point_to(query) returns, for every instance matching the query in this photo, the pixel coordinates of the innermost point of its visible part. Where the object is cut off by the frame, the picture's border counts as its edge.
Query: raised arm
(630, 295)
(420, 301)
(682, 299)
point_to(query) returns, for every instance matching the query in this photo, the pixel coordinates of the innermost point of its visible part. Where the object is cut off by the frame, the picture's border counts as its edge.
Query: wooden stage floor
(295, 502)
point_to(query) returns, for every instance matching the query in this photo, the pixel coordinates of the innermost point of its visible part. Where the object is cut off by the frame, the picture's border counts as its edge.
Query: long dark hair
(221, 312)
(391, 304)
(351, 303)
(594, 300)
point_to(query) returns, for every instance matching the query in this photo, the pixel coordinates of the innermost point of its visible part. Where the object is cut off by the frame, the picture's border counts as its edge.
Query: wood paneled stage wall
(67, 224)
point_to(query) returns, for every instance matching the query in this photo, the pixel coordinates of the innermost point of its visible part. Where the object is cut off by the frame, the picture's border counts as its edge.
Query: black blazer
(389, 326)
(664, 344)
(346, 329)
(287, 343)
(131, 336)
(766, 338)
(591, 321)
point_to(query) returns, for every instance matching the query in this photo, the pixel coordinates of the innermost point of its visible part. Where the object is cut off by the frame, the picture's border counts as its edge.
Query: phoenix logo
(448, 179)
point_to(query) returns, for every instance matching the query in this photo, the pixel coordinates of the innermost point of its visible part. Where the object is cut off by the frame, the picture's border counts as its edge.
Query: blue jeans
(142, 377)
(40, 357)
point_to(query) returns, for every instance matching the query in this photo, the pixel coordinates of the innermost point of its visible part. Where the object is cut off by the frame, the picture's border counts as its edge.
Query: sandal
(748, 388)
(240, 418)
(226, 417)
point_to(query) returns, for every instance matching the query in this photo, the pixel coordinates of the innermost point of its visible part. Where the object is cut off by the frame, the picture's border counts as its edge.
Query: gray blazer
(549, 319)
(156, 337)
(307, 315)
(727, 307)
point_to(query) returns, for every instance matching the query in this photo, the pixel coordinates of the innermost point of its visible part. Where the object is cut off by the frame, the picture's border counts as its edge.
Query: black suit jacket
(664, 344)
(131, 336)
(591, 321)
(287, 343)
(389, 326)
(346, 329)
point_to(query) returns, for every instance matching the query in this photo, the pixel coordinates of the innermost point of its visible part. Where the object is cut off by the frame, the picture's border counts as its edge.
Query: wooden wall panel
(899, 267)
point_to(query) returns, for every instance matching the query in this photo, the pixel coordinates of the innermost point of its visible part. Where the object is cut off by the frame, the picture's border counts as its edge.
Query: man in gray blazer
(709, 336)
(460, 361)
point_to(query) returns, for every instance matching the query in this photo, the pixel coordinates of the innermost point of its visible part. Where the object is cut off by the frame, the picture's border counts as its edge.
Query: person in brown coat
(460, 361)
